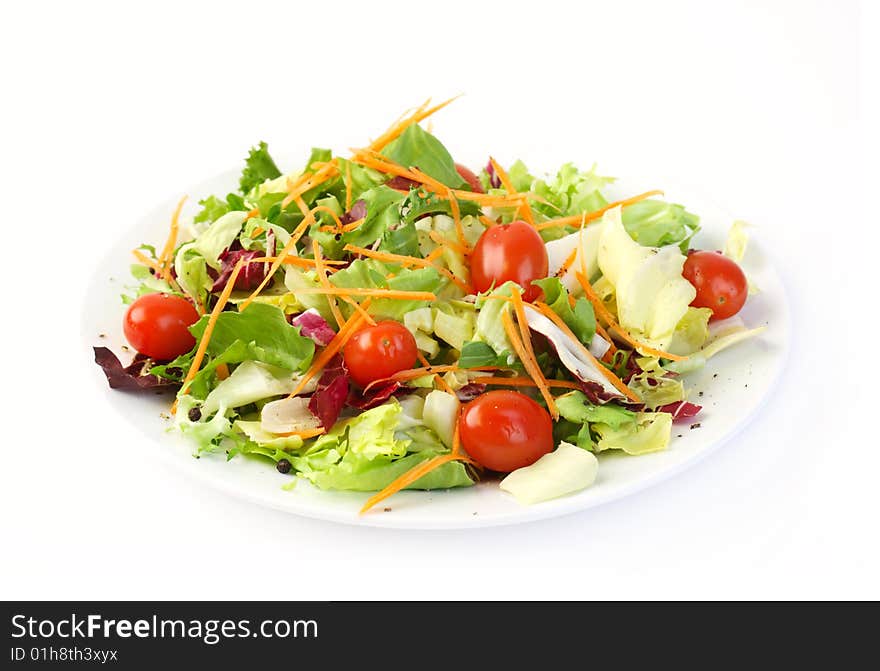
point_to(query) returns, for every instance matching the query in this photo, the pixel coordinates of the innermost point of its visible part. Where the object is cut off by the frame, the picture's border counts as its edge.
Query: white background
(108, 108)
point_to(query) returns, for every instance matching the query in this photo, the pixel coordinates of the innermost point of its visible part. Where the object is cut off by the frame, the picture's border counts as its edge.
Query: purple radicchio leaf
(134, 376)
(680, 410)
(331, 393)
(375, 394)
(357, 211)
(250, 275)
(313, 325)
(470, 391)
(494, 180)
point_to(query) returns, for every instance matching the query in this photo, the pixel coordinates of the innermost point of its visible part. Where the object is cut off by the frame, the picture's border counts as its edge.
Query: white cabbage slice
(651, 294)
(566, 470)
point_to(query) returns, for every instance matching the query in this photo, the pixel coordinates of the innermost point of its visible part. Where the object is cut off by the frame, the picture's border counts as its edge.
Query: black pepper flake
(102, 335)
(283, 466)
(700, 394)
(194, 414)
(696, 426)
(679, 436)
(126, 348)
(715, 375)
(338, 237)
(386, 510)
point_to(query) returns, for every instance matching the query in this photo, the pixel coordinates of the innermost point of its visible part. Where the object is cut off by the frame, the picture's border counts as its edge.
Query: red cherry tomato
(505, 430)
(468, 176)
(505, 252)
(157, 325)
(378, 352)
(720, 283)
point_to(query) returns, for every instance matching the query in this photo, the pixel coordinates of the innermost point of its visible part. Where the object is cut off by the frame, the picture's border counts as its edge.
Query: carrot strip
(168, 249)
(612, 348)
(591, 216)
(335, 345)
(526, 336)
(456, 217)
(376, 293)
(348, 187)
(279, 260)
(304, 434)
(209, 329)
(305, 182)
(446, 242)
(548, 312)
(437, 377)
(408, 260)
(433, 256)
(146, 260)
(511, 331)
(322, 278)
(253, 213)
(569, 260)
(508, 186)
(222, 371)
(524, 382)
(456, 435)
(410, 477)
(399, 126)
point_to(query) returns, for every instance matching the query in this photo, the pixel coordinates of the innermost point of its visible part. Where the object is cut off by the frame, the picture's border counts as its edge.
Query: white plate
(731, 389)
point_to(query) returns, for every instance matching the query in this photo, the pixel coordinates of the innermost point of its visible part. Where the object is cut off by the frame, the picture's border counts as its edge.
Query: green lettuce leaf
(656, 223)
(580, 319)
(575, 407)
(417, 147)
(649, 433)
(268, 336)
(259, 167)
(371, 274)
(566, 470)
(489, 329)
(249, 382)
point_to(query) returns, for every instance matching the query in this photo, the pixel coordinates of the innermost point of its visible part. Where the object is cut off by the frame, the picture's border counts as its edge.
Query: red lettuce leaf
(680, 410)
(470, 391)
(134, 376)
(375, 394)
(331, 393)
(358, 211)
(249, 277)
(313, 325)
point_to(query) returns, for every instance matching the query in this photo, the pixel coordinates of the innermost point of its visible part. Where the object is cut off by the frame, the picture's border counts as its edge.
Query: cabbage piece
(489, 328)
(371, 433)
(654, 385)
(440, 413)
(652, 296)
(218, 236)
(287, 415)
(650, 433)
(656, 223)
(444, 225)
(691, 332)
(204, 432)
(566, 470)
(715, 345)
(250, 381)
(570, 355)
(586, 242)
(575, 407)
(255, 432)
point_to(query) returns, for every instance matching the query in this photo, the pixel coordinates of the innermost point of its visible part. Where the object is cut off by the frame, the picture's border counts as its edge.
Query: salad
(391, 320)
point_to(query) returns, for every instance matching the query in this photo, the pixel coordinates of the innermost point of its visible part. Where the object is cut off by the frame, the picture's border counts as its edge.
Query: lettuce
(255, 433)
(249, 382)
(576, 408)
(653, 384)
(417, 147)
(370, 273)
(580, 319)
(566, 470)
(259, 167)
(266, 333)
(650, 432)
(215, 239)
(716, 344)
(586, 242)
(570, 191)
(656, 223)
(489, 328)
(691, 332)
(651, 294)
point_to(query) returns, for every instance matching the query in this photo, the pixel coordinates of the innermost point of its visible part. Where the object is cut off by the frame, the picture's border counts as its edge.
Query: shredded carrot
(222, 371)
(488, 223)
(456, 435)
(408, 261)
(612, 348)
(433, 256)
(393, 294)
(322, 279)
(333, 347)
(279, 260)
(209, 329)
(525, 382)
(526, 340)
(614, 327)
(146, 260)
(253, 213)
(305, 182)
(511, 331)
(399, 126)
(437, 377)
(446, 242)
(548, 312)
(165, 262)
(304, 434)
(412, 476)
(456, 217)
(347, 187)
(508, 186)
(592, 216)
(257, 231)
(569, 260)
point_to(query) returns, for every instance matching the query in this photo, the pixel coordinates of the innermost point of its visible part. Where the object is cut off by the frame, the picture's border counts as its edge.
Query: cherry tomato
(505, 430)
(468, 176)
(511, 251)
(157, 325)
(720, 283)
(378, 352)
